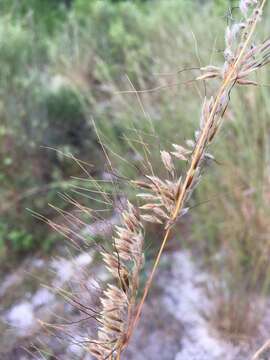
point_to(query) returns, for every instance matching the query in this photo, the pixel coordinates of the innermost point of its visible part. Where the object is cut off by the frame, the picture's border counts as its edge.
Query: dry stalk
(164, 200)
(262, 352)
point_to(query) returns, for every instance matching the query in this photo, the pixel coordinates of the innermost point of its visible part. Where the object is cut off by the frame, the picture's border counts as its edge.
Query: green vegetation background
(60, 62)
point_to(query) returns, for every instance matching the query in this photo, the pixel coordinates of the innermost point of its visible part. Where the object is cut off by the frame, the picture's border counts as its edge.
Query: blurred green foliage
(61, 63)
(46, 14)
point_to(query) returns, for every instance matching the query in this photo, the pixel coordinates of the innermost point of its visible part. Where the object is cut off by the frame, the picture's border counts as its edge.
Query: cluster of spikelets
(162, 197)
(164, 201)
(118, 302)
(235, 35)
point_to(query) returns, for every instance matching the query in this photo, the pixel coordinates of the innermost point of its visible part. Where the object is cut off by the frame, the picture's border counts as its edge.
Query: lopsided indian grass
(164, 201)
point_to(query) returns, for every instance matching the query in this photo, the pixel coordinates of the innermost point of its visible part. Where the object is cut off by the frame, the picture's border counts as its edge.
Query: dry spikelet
(245, 6)
(180, 152)
(167, 161)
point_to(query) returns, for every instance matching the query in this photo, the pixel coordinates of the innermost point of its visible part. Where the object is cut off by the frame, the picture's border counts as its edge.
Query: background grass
(61, 64)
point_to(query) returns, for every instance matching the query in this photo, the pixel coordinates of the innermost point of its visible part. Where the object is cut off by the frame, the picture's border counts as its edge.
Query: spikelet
(167, 161)
(254, 57)
(232, 33)
(118, 301)
(206, 110)
(245, 6)
(180, 152)
(160, 201)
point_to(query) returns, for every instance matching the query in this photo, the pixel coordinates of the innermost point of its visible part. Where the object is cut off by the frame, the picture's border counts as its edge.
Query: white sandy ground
(185, 297)
(173, 325)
